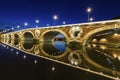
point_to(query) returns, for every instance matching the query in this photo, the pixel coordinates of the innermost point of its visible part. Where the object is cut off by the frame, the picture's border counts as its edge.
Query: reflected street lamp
(53, 68)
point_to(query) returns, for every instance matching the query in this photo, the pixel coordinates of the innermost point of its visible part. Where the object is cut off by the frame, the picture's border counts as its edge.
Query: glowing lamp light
(18, 26)
(53, 68)
(35, 61)
(64, 22)
(55, 17)
(12, 28)
(24, 56)
(37, 21)
(114, 55)
(116, 34)
(26, 24)
(91, 19)
(89, 10)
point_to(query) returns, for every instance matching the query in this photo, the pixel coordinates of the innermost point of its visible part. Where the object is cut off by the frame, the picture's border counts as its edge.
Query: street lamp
(48, 25)
(18, 26)
(55, 17)
(91, 19)
(64, 22)
(88, 11)
(12, 28)
(36, 21)
(25, 24)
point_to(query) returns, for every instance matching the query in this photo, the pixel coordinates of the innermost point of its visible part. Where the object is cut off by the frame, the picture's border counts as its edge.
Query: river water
(29, 60)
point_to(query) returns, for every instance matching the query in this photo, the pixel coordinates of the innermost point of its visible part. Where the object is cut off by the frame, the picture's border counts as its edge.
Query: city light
(64, 22)
(17, 52)
(35, 61)
(55, 17)
(89, 9)
(91, 19)
(37, 21)
(12, 28)
(24, 56)
(48, 25)
(25, 24)
(18, 26)
(53, 68)
(11, 49)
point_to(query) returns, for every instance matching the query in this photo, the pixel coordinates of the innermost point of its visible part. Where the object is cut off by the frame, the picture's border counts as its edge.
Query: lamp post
(25, 24)
(55, 17)
(37, 22)
(88, 11)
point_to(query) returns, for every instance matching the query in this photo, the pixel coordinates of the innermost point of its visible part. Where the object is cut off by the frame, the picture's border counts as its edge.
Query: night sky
(16, 12)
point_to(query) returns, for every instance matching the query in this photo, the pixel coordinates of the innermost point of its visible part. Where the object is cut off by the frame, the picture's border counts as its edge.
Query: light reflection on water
(95, 57)
(60, 45)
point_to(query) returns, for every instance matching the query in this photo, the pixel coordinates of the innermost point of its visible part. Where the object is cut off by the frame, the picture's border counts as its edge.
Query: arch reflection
(102, 60)
(54, 44)
(16, 39)
(99, 58)
(28, 41)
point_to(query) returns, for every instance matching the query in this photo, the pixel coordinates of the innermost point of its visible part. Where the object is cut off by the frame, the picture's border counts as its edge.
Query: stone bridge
(74, 32)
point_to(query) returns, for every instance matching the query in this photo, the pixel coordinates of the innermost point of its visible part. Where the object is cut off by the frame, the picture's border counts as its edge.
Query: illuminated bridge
(93, 47)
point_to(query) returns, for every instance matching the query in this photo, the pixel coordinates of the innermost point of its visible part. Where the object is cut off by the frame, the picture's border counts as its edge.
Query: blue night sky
(72, 11)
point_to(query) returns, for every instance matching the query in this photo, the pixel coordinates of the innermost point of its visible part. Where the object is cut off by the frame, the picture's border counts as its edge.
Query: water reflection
(75, 57)
(28, 41)
(96, 58)
(16, 39)
(102, 60)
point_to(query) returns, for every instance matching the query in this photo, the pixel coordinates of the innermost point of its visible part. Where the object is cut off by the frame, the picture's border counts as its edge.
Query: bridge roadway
(34, 40)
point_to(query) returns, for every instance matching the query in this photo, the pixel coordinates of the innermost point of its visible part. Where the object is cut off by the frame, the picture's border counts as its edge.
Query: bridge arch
(28, 35)
(16, 39)
(27, 41)
(88, 36)
(54, 32)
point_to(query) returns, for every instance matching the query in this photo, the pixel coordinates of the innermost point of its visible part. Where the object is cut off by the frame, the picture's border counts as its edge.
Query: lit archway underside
(87, 37)
(16, 39)
(48, 47)
(28, 41)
